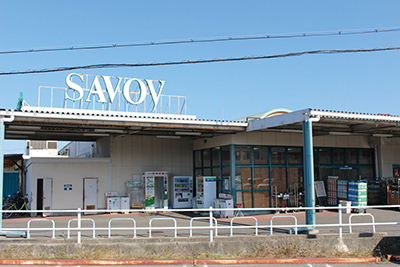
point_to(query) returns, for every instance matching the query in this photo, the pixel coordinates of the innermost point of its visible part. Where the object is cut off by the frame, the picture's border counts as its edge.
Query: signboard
(345, 168)
(74, 82)
(320, 189)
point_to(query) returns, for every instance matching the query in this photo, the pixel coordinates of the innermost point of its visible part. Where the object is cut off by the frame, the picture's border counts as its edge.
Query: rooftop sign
(108, 95)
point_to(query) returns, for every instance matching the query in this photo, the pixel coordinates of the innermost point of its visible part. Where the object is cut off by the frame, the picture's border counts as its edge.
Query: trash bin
(347, 204)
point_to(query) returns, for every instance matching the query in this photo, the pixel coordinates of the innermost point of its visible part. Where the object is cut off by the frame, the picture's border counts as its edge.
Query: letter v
(110, 89)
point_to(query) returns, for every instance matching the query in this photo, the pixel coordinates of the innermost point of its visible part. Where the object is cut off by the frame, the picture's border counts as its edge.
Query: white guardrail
(213, 226)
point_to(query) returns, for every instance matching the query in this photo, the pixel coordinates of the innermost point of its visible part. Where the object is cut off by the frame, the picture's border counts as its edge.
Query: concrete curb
(194, 262)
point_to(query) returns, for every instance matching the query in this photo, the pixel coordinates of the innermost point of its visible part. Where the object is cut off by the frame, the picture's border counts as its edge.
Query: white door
(90, 193)
(47, 194)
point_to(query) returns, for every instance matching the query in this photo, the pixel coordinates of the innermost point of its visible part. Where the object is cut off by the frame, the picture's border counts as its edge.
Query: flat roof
(331, 122)
(89, 125)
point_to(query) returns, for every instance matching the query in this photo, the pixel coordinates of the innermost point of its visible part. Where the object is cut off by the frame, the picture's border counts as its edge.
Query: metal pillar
(308, 171)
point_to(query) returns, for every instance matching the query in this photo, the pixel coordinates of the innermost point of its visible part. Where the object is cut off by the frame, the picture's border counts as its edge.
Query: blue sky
(362, 82)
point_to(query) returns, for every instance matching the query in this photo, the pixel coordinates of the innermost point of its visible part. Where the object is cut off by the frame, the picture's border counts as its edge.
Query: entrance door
(44, 194)
(90, 193)
(159, 192)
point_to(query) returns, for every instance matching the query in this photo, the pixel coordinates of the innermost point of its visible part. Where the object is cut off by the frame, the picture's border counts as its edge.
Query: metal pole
(340, 221)
(211, 222)
(308, 171)
(79, 226)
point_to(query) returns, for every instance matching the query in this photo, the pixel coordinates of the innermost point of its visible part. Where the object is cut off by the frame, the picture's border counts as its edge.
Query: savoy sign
(97, 89)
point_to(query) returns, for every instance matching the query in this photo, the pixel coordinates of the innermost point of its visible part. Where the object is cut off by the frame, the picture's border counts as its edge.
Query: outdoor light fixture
(109, 130)
(20, 132)
(168, 137)
(23, 127)
(291, 131)
(339, 133)
(382, 135)
(187, 133)
(95, 134)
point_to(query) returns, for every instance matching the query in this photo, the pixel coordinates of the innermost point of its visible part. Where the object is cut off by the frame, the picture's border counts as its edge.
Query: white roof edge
(102, 112)
(77, 114)
(279, 120)
(354, 116)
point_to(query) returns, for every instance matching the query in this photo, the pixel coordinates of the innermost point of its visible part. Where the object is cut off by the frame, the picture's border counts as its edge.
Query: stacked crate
(358, 194)
(332, 190)
(342, 189)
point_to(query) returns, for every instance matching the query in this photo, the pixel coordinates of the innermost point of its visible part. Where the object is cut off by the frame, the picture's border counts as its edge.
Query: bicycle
(15, 203)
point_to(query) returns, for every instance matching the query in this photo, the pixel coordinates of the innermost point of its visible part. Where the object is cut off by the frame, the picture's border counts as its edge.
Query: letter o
(142, 88)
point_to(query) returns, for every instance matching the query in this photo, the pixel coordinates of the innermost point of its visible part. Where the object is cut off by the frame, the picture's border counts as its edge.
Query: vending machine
(181, 192)
(155, 189)
(206, 191)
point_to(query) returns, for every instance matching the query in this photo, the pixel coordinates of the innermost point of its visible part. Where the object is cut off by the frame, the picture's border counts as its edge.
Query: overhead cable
(202, 40)
(130, 65)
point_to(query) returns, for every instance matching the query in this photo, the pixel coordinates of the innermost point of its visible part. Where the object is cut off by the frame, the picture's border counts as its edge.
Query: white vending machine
(181, 192)
(206, 191)
(155, 189)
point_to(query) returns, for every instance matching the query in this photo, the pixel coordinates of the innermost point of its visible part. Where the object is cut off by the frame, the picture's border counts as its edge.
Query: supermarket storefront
(255, 159)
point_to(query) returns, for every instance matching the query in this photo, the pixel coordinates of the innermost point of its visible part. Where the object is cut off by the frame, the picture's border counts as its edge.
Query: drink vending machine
(181, 192)
(206, 191)
(155, 189)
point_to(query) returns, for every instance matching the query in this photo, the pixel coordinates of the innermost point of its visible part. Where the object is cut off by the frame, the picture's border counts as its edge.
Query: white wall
(132, 155)
(67, 171)
(389, 155)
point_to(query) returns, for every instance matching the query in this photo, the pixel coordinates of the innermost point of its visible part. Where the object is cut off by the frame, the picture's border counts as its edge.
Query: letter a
(98, 90)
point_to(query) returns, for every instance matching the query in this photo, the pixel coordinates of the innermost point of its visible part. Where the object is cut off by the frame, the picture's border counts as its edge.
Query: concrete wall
(67, 171)
(388, 154)
(282, 139)
(132, 155)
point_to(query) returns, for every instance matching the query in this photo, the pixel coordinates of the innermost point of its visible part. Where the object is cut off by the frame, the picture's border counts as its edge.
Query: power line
(118, 65)
(201, 40)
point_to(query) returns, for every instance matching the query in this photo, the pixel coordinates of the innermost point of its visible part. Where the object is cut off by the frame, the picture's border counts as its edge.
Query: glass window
(338, 156)
(261, 199)
(243, 200)
(216, 172)
(243, 178)
(206, 158)
(260, 155)
(278, 178)
(295, 155)
(197, 158)
(367, 174)
(351, 156)
(325, 156)
(278, 155)
(226, 155)
(295, 176)
(197, 172)
(261, 178)
(242, 154)
(325, 172)
(215, 156)
(207, 172)
(366, 156)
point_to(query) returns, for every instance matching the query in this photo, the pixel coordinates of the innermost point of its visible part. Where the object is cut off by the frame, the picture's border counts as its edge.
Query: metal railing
(210, 223)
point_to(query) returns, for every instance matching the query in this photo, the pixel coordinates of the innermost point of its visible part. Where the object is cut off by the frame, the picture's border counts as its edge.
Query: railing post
(211, 222)
(340, 220)
(79, 226)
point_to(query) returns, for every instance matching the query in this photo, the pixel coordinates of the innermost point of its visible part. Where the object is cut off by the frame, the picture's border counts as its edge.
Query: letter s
(74, 86)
